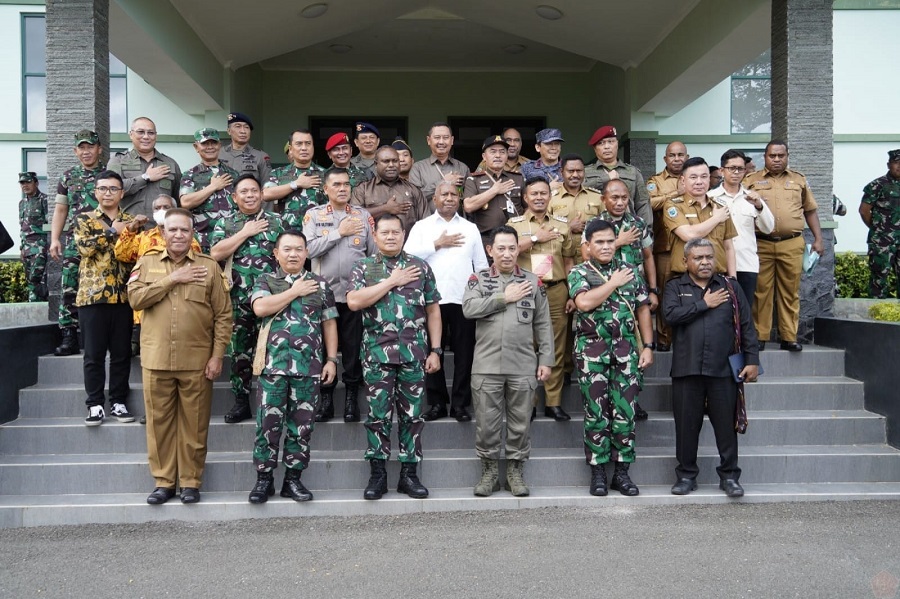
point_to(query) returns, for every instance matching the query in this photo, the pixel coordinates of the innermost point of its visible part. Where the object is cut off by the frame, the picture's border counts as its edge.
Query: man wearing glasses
(146, 173)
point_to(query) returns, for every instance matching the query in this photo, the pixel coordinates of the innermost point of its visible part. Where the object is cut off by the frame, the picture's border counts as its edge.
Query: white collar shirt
(747, 220)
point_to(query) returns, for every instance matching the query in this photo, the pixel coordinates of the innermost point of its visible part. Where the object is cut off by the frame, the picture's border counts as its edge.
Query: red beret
(336, 140)
(601, 134)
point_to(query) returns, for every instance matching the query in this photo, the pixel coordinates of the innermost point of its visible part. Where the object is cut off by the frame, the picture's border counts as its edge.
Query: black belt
(776, 237)
(549, 284)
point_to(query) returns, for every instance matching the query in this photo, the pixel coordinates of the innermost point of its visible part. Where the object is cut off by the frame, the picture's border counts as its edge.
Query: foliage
(12, 282)
(887, 311)
(851, 276)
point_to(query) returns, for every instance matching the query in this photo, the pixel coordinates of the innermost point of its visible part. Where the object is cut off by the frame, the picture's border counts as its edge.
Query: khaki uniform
(781, 253)
(685, 210)
(426, 174)
(500, 208)
(662, 187)
(547, 261)
(249, 160)
(140, 194)
(376, 192)
(511, 341)
(587, 202)
(185, 324)
(596, 176)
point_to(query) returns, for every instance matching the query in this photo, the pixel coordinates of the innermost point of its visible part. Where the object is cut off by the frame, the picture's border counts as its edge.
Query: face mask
(160, 217)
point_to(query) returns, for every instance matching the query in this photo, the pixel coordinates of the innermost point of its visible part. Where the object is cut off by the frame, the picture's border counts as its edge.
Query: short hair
(444, 183)
(505, 129)
(713, 169)
(502, 230)
(731, 155)
(384, 147)
(439, 124)
(776, 142)
(386, 217)
(293, 233)
(594, 225)
(611, 181)
(165, 196)
(699, 242)
(244, 177)
(108, 174)
(181, 212)
(534, 181)
(140, 118)
(694, 161)
(569, 158)
(331, 172)
(301, 130)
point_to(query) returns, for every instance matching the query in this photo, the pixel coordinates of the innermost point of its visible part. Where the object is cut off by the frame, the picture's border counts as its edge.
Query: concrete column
(803, 116)
(77, 92)
(641, 152)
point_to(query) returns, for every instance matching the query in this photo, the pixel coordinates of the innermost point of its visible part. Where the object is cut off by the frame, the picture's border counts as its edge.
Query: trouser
(884, 258)
(663, 262)
(349, 326)
(285, 402)
(177, 404)
(557, 296)
(747, 281)
(717, 396)
(609, 392)
(71, 259)
(780, 266)
(495, 396)
(394, 387)
(106, 328)
(34, 260)
(459, 335)
(243, 344)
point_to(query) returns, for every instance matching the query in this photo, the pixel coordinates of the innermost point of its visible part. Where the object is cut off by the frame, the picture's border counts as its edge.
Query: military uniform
(363, 163)
(140, 193)
(248, 160)
(781, 253)
(301, 200)
(536, 168)
(633, 253)
(357, 175)
(596, 175)
(500, 208)
(288, 386)
(218, 205)
(883, 195)
(511, 341)
(186, 325)
(662, 187)
(546, 260)
(685, 210)
(395, 346)
(32, 218)
(606, 357)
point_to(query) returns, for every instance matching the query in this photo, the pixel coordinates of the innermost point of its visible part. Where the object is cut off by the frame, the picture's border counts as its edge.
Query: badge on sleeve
(473, 281)
(672, 212)
(135, 273)
(651, 187)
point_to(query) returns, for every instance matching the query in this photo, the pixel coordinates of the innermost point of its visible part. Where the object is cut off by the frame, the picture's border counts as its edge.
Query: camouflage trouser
(884, 257)
(390, 387)
(68, 313)
(34, 259)
(608, 392)
(243, 343)
(284, 401)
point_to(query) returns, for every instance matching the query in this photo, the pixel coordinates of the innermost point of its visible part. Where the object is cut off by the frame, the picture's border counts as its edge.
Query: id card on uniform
(510, 207)
(542, 266)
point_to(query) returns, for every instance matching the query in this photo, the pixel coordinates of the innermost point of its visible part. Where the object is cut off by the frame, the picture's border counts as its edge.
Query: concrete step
(233, 471)
(33, 436)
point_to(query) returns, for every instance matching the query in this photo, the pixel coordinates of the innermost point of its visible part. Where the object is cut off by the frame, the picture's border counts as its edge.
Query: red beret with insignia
(337, 139)
(601, 134)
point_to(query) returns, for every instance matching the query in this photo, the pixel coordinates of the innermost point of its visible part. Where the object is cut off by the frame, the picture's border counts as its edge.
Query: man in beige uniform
(781, 253)
(186, 328)
(547, 248)
(573, 200)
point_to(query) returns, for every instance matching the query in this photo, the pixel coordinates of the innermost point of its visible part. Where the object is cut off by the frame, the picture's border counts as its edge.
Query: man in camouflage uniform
(299, 314)
(398, 296)
(880, 210)
(32, 217)
(206, 189)
(608, 167)
(296, 187)
(244, 240)
(338, 149)
(239, 155)
(74, 195)
(513, 351)
(609, 296)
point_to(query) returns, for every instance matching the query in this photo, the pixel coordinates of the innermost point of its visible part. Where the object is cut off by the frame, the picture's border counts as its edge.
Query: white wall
(710, 114)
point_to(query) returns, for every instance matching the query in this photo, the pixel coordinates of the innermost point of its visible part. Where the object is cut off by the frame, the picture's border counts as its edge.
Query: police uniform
(218, 205)
(662, 187)
(684, 211)
(186, 325)
(883, 195)
(781, 253)
(300, 200)
(140, 192)
(32, 218)
(537, 168)
(596, 176)
(247, 160)
(500, 208)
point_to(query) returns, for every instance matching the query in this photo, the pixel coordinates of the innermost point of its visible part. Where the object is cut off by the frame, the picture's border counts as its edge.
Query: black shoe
(461, 414)
(409, 482)
(684, 486)
(239, 412)
(263, 489)
(557, 413)
(791, 346)
(190, 495)
(663, 347)
(160, 495)
(731, 487)
(326, 405)
(69, 344)
(762, 346)
(377, 481)
(136, 340)
(598, 481)
(567, 379)
(533, 414)
(293, 488)
(351, 404)
(622, 483)
(639, 412)
(436, 412)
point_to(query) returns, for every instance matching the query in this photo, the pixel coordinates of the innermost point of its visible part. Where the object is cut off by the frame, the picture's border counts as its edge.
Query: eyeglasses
(144, 132)
(105, 189)
(734, 169)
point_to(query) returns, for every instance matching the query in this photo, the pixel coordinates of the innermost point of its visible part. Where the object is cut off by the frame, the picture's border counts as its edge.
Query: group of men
(530, 271)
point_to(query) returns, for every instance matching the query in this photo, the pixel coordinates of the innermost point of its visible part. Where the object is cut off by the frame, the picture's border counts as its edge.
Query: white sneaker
(95, 416)
(121, 413)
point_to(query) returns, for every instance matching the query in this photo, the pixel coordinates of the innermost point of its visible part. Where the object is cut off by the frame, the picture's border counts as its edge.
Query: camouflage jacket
(217, 205)
(630, 254)
(32, 218)
(77, 184)
(297, 202)
(357, 175)
(883, 194)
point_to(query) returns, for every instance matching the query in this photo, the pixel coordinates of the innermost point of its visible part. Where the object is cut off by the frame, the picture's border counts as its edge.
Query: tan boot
(515, 481)
(490, 478)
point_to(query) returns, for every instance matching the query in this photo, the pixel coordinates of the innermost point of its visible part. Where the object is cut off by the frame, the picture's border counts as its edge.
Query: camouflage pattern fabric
(285, 402)
(297, 202)
(630, 254)
(216, 206)
(883, 194)
(357, 175)
(390, 388)
(32, 218)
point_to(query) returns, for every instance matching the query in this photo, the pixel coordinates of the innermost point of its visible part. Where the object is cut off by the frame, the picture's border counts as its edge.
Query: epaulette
(476, 174)
(517, 219)
(678, 200)
(594, 189)
(561, 219)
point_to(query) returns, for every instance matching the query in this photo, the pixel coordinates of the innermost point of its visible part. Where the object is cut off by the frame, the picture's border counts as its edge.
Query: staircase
(810, 438)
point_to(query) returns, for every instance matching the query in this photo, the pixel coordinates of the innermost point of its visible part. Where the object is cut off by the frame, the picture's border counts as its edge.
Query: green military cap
(27, 177)
(207, 134)
(87, 136)
(893, 155)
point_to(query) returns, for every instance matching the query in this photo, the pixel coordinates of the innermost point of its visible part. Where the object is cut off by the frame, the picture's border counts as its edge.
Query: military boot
(240, 411)
(621, 482)
(326, 405)
(409, 482)
(264, 487)
(351, 405)
(293, 488)
(69, 344)
(598, 480)
(377, 481)
(515, 481)
(490, 478)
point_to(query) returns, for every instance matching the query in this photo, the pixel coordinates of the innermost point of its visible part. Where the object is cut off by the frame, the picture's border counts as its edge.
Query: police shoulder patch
(672, 212)
(473, 281)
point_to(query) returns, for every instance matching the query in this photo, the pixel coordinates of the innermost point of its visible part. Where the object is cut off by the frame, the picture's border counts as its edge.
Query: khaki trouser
(663, 274)
(780, 266)
(557, 296)
(496, 395)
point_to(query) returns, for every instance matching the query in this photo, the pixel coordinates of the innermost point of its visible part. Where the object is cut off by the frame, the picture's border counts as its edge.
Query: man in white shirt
(749, 213)
(452, 247)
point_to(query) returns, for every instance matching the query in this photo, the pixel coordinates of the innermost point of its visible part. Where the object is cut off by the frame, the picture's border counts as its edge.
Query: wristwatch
(654, 290)
(145, 177)
(534, 239)
(332, 359)
(437, 350)
(294, 185)
(651, 345)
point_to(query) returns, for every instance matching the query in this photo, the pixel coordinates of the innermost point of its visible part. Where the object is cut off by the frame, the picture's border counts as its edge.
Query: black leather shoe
(663, 347)
(351, 404)
(731, 487)
(263, 489)
(684, 486)
(639, 412)
(791, 346)
(533, 414)
(238, 413)
(190, 495)
(326, 404)
(160, 495)
(69, 344)
(762, 346)
(436, 412)
(461, 414)
(557, 413)
(293, 488)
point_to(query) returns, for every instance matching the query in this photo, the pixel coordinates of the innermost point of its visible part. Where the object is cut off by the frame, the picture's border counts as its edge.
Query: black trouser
(106, 328)
(459, 335)
(747, 281)
(349, 326)
(717, 396)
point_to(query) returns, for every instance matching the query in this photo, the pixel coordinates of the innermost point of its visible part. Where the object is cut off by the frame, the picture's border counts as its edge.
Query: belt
(549, 284)
(776, 237)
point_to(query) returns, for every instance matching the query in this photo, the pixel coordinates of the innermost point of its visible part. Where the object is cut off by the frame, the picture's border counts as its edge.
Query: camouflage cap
(207, 134)
(893, 155)
(87, 136)
(27, 177)
(545, 136)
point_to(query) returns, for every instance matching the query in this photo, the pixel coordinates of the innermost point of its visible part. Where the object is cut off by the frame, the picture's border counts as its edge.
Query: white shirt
(747, 219)
(452, 266)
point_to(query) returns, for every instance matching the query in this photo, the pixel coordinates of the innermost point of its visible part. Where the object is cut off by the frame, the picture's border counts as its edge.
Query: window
(35, 160)
(118, 96)
(751, 97)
